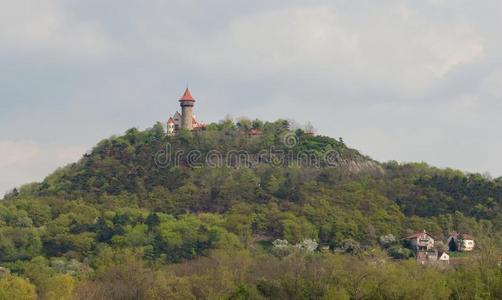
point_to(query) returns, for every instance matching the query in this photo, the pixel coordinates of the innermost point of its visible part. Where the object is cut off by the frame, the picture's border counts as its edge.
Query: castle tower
(187, 102)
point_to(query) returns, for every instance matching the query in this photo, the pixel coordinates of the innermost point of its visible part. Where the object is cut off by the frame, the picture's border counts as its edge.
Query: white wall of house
(468, 245)
(424, 240)
(444, 257)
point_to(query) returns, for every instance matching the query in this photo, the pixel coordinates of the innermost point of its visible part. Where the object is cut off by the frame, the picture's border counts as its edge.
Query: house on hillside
(433, 258)
(460, 242)
(443, 258)
(421, 241)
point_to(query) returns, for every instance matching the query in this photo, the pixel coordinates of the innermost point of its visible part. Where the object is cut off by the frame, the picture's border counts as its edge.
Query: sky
(398, 80)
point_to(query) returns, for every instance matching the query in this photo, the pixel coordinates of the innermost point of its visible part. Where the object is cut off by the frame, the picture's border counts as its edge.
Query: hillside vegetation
(195, 216)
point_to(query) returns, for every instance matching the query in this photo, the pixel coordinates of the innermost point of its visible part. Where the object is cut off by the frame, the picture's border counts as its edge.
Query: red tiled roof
(170, 121)
(440, 253)
(464, 235)
(187, 96)
(254, 131)
(417, 234)
(467, 237)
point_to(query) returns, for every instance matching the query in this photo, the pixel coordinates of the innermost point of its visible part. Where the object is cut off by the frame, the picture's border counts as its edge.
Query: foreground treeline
(248, 274)
(117, 211)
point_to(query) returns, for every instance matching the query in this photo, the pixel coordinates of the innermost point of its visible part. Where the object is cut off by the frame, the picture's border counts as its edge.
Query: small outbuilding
(443, 258)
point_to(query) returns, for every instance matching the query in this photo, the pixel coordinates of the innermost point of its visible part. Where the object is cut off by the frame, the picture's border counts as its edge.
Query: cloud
(397, 50)
(69, 153)
(405, 80)
(492, 84)
(18, 153)
(25, 161)
(46, 28)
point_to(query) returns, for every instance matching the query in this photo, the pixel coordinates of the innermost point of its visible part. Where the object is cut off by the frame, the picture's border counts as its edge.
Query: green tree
(16, 288)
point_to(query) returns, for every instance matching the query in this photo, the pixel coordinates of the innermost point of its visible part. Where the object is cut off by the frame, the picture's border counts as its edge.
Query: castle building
(187, 102)
(171, 125)
(185, 120)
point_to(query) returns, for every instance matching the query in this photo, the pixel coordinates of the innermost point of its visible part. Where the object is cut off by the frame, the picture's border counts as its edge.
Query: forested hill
(233, 187)
(261, 164)
(140, 161)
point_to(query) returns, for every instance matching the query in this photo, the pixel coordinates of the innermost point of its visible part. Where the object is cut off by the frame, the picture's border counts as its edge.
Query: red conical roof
(170, 121)
(187, 96)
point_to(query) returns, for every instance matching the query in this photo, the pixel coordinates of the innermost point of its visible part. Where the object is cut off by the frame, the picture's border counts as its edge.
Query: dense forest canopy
(148, 216)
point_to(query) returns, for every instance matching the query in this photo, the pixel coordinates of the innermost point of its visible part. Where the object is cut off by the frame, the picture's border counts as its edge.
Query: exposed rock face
(365, 166)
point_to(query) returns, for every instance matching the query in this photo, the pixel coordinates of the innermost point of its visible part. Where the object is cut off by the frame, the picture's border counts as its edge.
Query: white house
(461, 242)
(443, 257)
(421, 241)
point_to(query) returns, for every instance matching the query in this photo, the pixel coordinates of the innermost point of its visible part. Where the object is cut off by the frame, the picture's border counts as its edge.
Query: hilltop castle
(185, 120)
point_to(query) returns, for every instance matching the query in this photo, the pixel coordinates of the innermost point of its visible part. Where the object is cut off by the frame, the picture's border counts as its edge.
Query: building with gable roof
(421, 241)
(443, 257)
(461, 242)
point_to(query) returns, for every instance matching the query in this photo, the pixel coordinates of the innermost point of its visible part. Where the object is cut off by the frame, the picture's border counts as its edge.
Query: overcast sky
(403, 80)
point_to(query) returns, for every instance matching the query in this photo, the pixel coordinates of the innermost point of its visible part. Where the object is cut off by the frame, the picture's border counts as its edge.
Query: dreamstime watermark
(286, 156)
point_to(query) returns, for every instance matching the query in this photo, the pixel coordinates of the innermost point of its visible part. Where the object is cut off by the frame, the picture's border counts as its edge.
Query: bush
(398, 252)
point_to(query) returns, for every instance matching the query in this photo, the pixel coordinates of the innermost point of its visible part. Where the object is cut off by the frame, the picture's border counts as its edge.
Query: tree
(16, 288)
(440, 246)
(244, 124)
(19, 243)
(386, 240)
(351, 246)
(281, 248)
(59, 287)
(152, 221)
(297, 229)
(399, 252)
